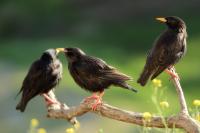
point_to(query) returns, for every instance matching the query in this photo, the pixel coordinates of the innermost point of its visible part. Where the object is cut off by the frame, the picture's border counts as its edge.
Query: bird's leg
(94, 96)
(98, 101)
(48, 100)
(172, 73)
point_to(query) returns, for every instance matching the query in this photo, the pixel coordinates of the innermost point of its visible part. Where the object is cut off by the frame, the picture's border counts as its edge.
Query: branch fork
(182, 120)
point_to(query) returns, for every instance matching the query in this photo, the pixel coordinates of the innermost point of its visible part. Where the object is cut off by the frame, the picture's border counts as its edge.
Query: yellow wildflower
(34, 122)
(198, 117)
(157, 82)
(100, 131)
(164, 104)
(147, 116)
(196, 102)
(77, 126)
(70, 130)
(41, 130)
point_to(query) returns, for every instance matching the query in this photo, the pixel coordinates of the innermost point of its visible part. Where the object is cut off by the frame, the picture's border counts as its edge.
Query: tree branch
(179, 90)
(57, 107)
(181, 120)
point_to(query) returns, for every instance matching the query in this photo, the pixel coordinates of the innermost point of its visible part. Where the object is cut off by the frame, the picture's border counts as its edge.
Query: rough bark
(182, 120)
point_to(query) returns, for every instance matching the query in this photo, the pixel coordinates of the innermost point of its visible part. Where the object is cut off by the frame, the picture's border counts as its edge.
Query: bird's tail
(127, 86)
(22, 105)
(144, 77)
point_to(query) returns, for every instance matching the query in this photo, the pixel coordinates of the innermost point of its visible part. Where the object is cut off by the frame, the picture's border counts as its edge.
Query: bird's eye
(173, 22)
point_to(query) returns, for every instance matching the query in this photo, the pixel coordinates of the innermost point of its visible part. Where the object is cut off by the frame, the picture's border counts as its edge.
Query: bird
(167, 50)
(44, 74)
(94, 75)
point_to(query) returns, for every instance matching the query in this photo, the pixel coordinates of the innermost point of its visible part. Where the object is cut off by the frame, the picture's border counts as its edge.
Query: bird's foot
(94, 96)
(50, 101)
(172, 73)
(96, 104)
(174, 76)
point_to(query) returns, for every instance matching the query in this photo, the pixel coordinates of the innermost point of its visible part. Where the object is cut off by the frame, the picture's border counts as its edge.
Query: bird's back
(94, 74)
(41, 78)
(167, 51)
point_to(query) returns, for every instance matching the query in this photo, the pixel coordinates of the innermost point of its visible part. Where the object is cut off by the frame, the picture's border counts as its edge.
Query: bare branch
(181, 120)
(179, 90)
(105, 110)
(51, 94)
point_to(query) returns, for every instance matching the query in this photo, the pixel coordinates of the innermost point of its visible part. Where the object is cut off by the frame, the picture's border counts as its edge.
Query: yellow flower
(70, 130)
(164, 104)
(157, 83)
(147, 116)
(196, 102)
(198, 117)
(41, 130)
(77, 126)
(100, 131)
(34, 122)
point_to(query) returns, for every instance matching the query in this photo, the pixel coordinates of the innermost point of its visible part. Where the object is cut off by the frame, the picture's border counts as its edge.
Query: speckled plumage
(168, 49)
(93, 74)
(43, 75)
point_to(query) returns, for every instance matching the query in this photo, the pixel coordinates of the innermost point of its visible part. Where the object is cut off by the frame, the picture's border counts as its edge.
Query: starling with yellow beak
(168, 49)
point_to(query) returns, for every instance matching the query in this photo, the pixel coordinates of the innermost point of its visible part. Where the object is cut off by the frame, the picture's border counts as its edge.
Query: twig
(179, 90)
(105, 110)
(61, 107)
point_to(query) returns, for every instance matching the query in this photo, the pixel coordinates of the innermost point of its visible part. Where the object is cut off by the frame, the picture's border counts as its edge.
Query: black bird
(93, 74)
(43, 75)
(168, 49)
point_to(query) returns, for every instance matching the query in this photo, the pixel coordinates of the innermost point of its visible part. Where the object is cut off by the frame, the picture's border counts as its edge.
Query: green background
(119, 32)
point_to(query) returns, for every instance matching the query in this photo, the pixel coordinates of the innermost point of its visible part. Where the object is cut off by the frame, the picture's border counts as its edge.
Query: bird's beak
(58, 50)
(162, 20)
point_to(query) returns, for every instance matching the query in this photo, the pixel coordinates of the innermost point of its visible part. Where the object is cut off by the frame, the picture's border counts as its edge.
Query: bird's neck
(177, 30)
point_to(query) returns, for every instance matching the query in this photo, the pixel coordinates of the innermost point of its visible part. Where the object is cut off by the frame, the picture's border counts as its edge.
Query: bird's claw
(51, 102)
(95, 97)
(171, 71)
(174, 76)
(96, 104)
(97, 100)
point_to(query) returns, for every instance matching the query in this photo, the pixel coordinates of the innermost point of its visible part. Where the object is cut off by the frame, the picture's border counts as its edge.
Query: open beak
(162, 20)
(58, 50)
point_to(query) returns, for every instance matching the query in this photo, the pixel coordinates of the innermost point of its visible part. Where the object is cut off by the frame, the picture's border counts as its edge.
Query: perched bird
(44, 74)
(168, 49)
(93, 74)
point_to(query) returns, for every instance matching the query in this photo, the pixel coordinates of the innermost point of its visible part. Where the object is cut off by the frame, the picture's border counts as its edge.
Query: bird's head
(51, 54)
(173, 23)
(73, 54)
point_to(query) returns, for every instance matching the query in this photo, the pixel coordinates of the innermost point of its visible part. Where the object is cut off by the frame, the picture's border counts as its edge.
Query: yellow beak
(58, 50)
(162, 20)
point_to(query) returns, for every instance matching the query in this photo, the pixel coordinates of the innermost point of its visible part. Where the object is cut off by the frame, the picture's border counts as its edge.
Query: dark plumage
(168, 49)
(93, 74)
(44, 74)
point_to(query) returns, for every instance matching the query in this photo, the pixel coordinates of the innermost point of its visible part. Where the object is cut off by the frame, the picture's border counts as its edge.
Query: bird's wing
(161, 57)
(35, 76)
(99, 69)
(160, 63)
(32, 73)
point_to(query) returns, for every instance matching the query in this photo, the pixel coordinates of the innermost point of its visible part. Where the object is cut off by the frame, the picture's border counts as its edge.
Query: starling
(93, 74)
(168, 49)
(44, 74)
